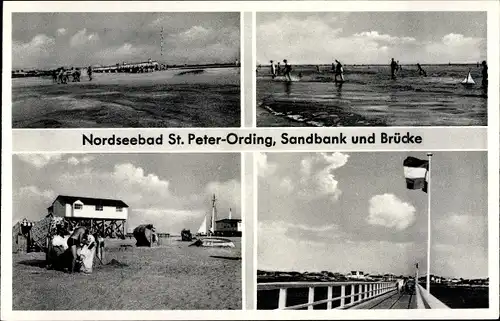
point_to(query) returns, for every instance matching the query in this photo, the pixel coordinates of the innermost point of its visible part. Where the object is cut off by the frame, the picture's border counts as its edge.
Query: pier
(342, 296)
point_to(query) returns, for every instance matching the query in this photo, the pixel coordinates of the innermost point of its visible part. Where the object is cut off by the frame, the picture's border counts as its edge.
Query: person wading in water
(394, 68)
(288, 70)
(484, 82)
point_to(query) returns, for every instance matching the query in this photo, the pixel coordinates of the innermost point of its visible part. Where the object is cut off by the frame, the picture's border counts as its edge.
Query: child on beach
(273, 69)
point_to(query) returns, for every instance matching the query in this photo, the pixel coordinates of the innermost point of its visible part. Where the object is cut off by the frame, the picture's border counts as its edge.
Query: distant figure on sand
(484, 82)
(317, 68)
(273, 69)
(394, 68)
(76, 239)
(421, 72)
(89, 72)
(278, 70)
(339, 71)
(288, 70)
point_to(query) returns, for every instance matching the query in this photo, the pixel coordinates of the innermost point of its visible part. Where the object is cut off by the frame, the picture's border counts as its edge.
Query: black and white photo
(339, 69)
(126, 232)
(351, 230)
(110, 69)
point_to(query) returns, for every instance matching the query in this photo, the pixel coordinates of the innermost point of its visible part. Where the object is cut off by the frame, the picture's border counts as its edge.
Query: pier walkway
(389, 301)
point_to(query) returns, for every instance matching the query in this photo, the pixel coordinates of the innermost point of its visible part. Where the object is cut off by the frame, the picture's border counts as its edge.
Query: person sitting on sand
(421, 72)
(287, 70)
(394, 68)
(339, 71)
(75, 241)
(273, 69)
(484, 82)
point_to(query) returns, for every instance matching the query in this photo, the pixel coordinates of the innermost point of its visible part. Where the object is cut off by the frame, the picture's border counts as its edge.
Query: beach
(169, 277)
(369, 97)
(163, 99)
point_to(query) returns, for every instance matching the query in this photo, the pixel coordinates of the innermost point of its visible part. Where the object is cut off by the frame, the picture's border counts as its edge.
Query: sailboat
(202, 231)
(211, 241)
(468, 81)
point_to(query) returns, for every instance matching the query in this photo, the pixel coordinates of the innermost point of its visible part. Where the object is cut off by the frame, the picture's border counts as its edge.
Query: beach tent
(145, 235)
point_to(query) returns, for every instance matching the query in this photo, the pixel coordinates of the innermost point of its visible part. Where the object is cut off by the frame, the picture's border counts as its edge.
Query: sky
(352, 211)
(170, 191)
(47, 40)
(371, 37)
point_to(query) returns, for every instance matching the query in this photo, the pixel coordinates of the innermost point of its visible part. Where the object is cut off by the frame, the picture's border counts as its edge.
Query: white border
(252, 6)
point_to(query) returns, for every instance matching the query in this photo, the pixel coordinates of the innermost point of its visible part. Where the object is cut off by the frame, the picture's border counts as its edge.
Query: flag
(416, 171)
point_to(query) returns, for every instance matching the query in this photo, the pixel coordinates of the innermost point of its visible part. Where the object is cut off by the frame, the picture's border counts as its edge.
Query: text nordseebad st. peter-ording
(251, 139)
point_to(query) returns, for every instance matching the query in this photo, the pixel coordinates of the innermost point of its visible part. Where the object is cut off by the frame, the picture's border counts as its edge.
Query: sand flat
(171, 276)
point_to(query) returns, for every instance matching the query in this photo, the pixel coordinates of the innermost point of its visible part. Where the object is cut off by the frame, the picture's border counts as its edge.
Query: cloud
(194, 33)
(283, 247)
(465, 229)
(166, 220)
(61, 31)
(317, 179)
(264, 168)
(27, 54)
(84, 160)
(458, 48)
(40, 160)
(389, 211)
(228, 193)
(82, 38)
(385, 38)
(33, 191)
(311, 38)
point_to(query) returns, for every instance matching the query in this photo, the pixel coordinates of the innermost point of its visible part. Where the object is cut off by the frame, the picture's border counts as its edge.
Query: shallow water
(159, 99)
(369, 97)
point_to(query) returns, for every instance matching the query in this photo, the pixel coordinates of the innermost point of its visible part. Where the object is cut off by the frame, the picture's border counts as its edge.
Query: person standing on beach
(278, 72)
(394, 68)
(421, 72)
(484, 82)
(339, 71)
(287, 70)
(76, 239)
(273, 69)
(89, 72)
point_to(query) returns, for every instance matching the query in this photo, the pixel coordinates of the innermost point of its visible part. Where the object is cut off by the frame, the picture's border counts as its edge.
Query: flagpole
(428, 278)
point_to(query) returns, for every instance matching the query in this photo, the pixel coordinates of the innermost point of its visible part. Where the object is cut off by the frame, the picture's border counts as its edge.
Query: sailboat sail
(468, 80)
(203, 227)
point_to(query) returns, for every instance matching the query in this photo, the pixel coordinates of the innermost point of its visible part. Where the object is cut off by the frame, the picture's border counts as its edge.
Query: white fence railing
(425, 300)
(358, 292)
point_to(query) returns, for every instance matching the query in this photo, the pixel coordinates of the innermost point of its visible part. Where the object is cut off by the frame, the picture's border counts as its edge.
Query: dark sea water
(369, 97)
(171, 98)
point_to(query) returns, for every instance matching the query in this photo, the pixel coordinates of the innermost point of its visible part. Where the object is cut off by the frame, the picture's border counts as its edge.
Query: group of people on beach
(61, 75)
(73, 251)
(276, 69)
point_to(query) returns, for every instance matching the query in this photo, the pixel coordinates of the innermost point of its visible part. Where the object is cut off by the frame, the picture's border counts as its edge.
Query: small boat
(468, 81)
(202, 231)
(213, 242)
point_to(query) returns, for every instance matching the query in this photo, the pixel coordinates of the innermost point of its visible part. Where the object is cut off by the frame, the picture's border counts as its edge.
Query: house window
(98, 207)
(119, 209)
(77, 206)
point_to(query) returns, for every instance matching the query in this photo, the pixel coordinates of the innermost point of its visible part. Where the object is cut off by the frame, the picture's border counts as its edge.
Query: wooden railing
(355, 292)
(425, 300)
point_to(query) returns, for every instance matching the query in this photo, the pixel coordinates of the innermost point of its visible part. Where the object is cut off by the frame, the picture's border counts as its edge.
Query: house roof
(91, 201)
(229, 220)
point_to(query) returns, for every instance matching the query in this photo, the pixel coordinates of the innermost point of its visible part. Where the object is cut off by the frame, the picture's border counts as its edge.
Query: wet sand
(171, 98)
(369, 97)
